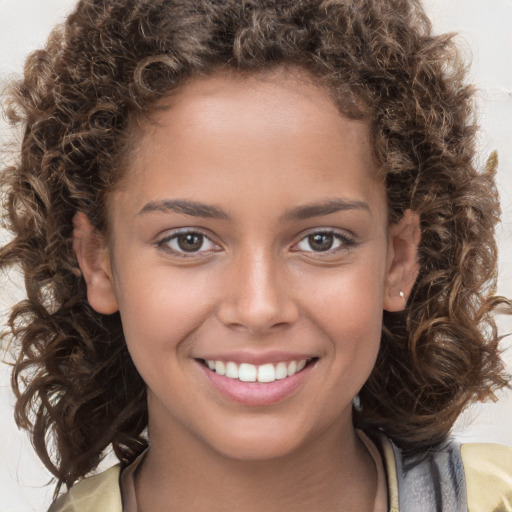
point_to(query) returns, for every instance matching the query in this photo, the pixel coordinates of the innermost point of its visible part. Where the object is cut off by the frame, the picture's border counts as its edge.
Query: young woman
(259, 260)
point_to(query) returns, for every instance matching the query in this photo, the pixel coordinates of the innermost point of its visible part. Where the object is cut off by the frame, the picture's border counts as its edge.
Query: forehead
(285, 84)
(259, 132)
(282, 86)
(265, 101)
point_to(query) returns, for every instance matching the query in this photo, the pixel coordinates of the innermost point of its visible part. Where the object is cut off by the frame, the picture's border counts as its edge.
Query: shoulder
(99, 492)
(488, 470)
(455, 477)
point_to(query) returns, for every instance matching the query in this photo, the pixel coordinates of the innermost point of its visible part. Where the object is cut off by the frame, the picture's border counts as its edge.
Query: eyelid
(347, 239)
(162, 242)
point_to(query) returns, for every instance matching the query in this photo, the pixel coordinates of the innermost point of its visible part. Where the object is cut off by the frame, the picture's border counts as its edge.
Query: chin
(258, 449)
(262, 440)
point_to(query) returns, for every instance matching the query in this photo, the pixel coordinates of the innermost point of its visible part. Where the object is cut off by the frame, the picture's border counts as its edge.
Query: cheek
(349, 297)
(159, 309)
(347, 307)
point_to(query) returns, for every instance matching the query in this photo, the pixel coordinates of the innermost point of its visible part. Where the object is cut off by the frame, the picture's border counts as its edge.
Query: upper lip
(257, 358)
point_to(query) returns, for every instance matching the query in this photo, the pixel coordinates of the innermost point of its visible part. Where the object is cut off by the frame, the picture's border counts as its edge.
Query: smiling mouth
(246, 372)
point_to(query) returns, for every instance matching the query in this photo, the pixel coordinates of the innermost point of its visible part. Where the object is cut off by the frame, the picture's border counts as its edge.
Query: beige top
(488, 469)
(381, 495)
(127, 484)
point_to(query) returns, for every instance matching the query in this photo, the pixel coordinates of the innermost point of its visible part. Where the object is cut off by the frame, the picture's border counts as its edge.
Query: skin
(256, 148)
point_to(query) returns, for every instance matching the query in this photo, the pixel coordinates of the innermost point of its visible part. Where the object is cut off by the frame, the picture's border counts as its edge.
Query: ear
(94, 261)
(402, 266)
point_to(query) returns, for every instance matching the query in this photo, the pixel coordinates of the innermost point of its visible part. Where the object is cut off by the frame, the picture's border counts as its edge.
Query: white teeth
(266, 373)
(292, 368)
(232, 370)
(251, 373)
(281, 371)
(247, 372)
(219, 368)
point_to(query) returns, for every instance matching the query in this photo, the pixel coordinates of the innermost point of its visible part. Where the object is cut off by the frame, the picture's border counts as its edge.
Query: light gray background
(485, 31)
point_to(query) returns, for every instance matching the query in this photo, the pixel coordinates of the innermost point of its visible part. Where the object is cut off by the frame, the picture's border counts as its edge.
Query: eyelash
(164, 243)
(346, 241)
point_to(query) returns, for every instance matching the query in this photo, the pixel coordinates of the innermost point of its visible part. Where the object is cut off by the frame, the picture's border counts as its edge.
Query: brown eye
(328, 241)
(190, 242)
(321, 241)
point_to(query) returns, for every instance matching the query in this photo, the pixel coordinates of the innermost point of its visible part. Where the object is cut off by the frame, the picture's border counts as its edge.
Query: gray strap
(432, 482)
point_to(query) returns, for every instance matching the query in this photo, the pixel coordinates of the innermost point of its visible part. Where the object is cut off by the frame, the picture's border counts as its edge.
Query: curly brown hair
(111, 62)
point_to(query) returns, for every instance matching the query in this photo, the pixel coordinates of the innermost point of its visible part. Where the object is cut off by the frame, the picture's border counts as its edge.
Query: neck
(332, 473)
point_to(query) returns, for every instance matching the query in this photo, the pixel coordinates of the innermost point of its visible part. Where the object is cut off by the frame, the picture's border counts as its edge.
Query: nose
(257, 297)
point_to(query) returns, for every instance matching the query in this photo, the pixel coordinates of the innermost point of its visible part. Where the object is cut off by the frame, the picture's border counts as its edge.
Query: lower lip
(256, 393)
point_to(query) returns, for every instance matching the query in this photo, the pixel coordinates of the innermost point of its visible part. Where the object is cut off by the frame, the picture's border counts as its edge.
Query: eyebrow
(323, 208)
(192, 208)
(198, 209)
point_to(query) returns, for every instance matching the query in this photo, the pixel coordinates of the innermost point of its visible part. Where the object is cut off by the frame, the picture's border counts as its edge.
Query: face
(250, 259)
